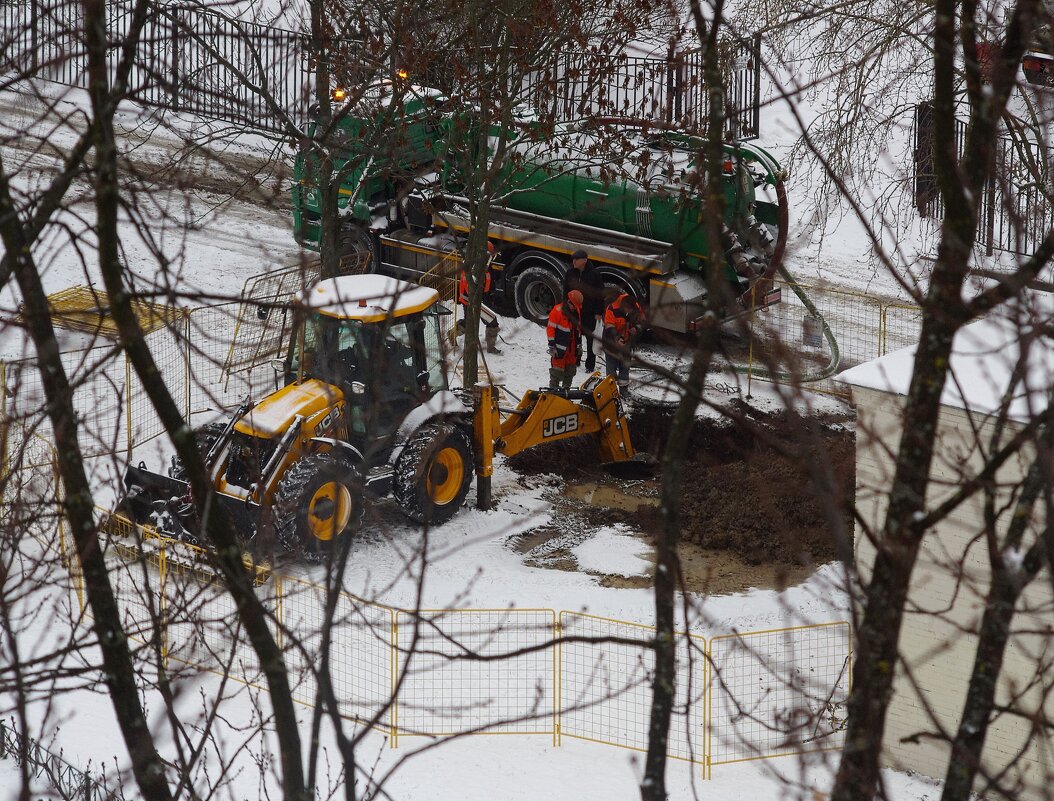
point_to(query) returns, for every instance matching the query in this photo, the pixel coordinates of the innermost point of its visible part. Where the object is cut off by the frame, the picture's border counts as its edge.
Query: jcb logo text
(554, 426)
(329, 420)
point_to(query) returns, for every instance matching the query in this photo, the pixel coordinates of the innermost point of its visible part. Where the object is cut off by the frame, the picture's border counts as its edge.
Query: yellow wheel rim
(445, 475)
(329, 511)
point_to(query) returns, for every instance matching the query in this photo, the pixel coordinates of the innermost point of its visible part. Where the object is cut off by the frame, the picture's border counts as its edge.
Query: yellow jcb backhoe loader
(366, 409)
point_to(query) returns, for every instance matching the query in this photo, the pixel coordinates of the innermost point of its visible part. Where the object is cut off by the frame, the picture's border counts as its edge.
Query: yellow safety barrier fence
(791, 340)
(33, 528)
(445, 672)
(778, 692)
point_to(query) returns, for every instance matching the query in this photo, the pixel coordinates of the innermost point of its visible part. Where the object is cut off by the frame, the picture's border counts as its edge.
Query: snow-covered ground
(228, 240)
(475, 768)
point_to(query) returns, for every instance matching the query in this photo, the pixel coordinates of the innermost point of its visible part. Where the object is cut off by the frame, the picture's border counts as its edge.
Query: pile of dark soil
(749, 487)
(569, 458)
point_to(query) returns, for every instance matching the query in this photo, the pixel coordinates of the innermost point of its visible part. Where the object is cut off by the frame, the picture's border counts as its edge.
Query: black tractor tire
(538, 289)
(206, 437)
(318, 501)
(356, 251)
(433, 473)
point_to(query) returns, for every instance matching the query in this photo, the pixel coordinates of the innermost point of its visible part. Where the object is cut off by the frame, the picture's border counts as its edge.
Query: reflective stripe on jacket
(621, 318)
(462, 286)
(564, 330)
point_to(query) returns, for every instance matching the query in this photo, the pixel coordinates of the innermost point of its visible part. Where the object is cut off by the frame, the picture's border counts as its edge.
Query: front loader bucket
(640, 466)
(146, 492)
(164, 503)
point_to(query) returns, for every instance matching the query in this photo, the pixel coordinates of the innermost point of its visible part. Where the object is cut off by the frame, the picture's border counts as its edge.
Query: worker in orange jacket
(486, 315)
(623, 321)
(564, 332)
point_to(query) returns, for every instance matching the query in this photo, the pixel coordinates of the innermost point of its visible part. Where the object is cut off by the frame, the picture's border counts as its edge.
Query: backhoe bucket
(640, 466)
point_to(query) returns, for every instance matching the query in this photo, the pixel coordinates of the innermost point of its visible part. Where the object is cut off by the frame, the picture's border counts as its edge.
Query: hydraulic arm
(547, 416)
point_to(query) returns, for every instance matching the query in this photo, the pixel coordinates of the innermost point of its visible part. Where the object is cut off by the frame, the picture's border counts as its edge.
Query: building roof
(985, 355)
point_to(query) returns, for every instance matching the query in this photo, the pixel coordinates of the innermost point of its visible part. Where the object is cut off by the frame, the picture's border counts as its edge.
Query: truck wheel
(433, 473)
(538, 289)
(318, 501)
(356, 252)
(631, 286)
(206, 437)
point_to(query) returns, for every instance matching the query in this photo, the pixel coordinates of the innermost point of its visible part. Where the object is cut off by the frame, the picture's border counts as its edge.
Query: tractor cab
(377, 341)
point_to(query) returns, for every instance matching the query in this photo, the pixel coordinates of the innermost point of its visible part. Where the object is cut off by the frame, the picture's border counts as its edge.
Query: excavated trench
(751, 514)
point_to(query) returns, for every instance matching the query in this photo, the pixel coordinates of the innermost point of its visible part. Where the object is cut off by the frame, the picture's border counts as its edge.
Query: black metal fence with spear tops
(203, 62)
(187, 59)
(52, 771)
(1017, 203)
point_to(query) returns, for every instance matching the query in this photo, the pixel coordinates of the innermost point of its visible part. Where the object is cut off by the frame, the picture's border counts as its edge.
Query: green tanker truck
(637, 213)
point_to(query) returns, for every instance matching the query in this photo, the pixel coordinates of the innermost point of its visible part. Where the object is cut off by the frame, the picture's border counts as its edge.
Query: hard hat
(575, 297)
(490, 246)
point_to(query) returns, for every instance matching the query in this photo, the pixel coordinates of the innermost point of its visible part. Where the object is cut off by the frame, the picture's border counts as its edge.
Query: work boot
(491, 335)
(455, 332)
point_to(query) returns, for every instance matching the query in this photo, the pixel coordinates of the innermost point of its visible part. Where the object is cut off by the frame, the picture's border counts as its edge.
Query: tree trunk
(667, 559)
(1008, 583)
(475, 268)
(228, 552)
(944, 312)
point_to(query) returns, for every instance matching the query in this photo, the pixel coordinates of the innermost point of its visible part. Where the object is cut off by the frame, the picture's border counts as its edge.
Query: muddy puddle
(749, 514)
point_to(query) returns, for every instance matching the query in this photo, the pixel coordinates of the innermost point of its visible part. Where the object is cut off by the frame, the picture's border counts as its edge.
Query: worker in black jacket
(584, 277)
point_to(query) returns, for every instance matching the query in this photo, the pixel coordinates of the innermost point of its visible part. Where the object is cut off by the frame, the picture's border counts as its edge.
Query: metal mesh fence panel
(99, 381)
(442, 275)
(231, 344)
(211, 332)
(203, 629)
(137, 587)
(467, 671)
(168, 347)
(114, 413)
(853, 319)
(361, 659)
(263, 319)
(753, 695)
(212, 343)
(605, 687)
(901, 325)
(31, 494)
(301, 611)
(31, 521)
(778, 692)
(791, 338)
(171, 598)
